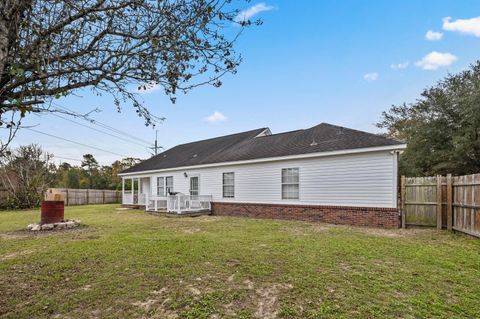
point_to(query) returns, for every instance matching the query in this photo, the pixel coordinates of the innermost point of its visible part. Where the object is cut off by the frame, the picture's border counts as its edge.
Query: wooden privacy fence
(89, 196)
(451, 202)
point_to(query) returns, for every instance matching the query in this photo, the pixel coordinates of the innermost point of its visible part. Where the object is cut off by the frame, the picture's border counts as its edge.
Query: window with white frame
(290, 183)
(168, 184)
(164, 185)
(194, 186)
(229, 185)
(161, 186)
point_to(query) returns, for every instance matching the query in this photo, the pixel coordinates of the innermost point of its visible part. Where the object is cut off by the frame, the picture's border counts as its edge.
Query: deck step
(133, 206)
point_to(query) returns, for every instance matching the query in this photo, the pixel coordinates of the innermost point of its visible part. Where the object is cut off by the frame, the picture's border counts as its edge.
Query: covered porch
(137, 192)
(134, 191)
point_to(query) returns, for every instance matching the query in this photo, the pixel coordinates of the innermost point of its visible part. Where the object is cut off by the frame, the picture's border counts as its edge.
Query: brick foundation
(357, 216)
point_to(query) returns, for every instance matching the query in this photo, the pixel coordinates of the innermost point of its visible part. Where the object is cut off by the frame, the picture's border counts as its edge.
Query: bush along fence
(451, 202)
(88, 196)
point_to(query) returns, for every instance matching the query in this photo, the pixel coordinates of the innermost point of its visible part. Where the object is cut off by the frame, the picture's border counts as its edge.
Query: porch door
(194, 185)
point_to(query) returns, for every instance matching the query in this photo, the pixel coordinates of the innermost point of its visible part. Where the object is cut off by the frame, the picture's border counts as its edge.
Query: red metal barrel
(52, 211)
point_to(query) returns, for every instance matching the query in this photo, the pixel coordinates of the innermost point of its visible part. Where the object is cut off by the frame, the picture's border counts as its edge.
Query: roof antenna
(313, 142)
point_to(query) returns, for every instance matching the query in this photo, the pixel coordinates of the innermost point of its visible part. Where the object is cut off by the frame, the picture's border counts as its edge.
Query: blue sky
(310, 62)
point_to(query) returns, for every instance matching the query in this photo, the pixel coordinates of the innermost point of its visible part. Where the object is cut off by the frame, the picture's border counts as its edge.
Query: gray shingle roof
(246, 146)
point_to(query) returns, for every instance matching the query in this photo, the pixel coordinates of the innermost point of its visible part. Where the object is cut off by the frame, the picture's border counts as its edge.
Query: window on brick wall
(290, 183)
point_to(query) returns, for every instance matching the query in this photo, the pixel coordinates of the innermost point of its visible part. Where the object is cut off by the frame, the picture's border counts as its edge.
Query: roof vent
(313, 142)
(265, 132)
(164, 155)
(194, 155)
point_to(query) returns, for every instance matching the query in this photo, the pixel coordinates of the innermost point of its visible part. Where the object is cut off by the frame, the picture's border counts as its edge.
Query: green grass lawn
(128, 264)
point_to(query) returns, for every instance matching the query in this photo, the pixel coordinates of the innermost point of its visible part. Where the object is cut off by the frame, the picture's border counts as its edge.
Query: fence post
(66, 197)
(449, 202)
(402, 199)
(88, 197)
(103, 197)
(439, 201)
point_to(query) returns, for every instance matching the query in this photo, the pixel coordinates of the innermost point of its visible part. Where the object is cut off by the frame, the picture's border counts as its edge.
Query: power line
(67, 158)
(92, 128)
(103, 125)
(74, 142)
(74, 159)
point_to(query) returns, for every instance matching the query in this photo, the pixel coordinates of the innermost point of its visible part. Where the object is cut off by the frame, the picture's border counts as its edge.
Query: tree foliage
(27, 171)
(25, 175)
(442, 128)
(50, 48)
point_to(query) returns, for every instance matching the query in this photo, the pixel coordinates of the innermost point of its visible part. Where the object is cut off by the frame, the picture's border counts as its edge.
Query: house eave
(398, 147)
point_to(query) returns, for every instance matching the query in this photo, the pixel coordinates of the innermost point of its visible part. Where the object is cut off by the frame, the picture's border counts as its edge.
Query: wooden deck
(183, 214)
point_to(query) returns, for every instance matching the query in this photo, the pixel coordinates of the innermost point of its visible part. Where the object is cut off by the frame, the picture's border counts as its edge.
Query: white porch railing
(127, 198)
(142, 199)
(155, 203)
(179, 203)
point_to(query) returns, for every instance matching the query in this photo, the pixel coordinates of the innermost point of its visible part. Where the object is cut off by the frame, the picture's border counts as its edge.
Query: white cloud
(433, 36)
(400, 66)
(435, 60)
(149, 88)
(371, 76)
(215, 117)
(252, 11)
(468, 26)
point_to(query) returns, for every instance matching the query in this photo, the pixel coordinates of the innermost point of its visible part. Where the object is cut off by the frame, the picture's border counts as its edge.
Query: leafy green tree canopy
(442, 128)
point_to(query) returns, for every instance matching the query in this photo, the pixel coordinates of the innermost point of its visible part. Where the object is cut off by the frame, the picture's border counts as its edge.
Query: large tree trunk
(11, 13)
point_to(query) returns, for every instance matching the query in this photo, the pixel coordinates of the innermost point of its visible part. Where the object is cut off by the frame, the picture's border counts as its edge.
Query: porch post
(133, 190)
(123, 189)
(139, 190)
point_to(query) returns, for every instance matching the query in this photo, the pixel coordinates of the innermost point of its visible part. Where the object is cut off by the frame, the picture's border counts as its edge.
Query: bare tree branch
(50, 49)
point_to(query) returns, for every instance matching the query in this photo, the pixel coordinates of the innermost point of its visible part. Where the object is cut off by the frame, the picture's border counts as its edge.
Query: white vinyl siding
(290, 183)
(367, 179)
(228, 185)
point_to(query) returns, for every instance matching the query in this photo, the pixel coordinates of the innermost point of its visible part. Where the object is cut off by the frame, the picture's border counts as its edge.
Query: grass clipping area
(128, 264)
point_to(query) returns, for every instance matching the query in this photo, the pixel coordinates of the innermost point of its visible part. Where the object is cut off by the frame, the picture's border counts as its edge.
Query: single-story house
(325, 173)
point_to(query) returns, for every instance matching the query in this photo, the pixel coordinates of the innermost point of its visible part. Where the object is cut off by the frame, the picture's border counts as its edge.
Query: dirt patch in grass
(15, 254)
(24, 233)
(267, 300)
(199, 299)
(305, 229)
(396, 233)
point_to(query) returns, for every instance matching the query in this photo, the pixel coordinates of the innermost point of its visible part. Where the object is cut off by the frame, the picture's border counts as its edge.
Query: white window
(160, 186)
(194, 186)
(229, 185)
(168, 184)
(290, 183)
(164, 185)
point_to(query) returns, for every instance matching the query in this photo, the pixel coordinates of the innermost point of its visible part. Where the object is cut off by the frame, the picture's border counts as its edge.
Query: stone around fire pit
(68, 223)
